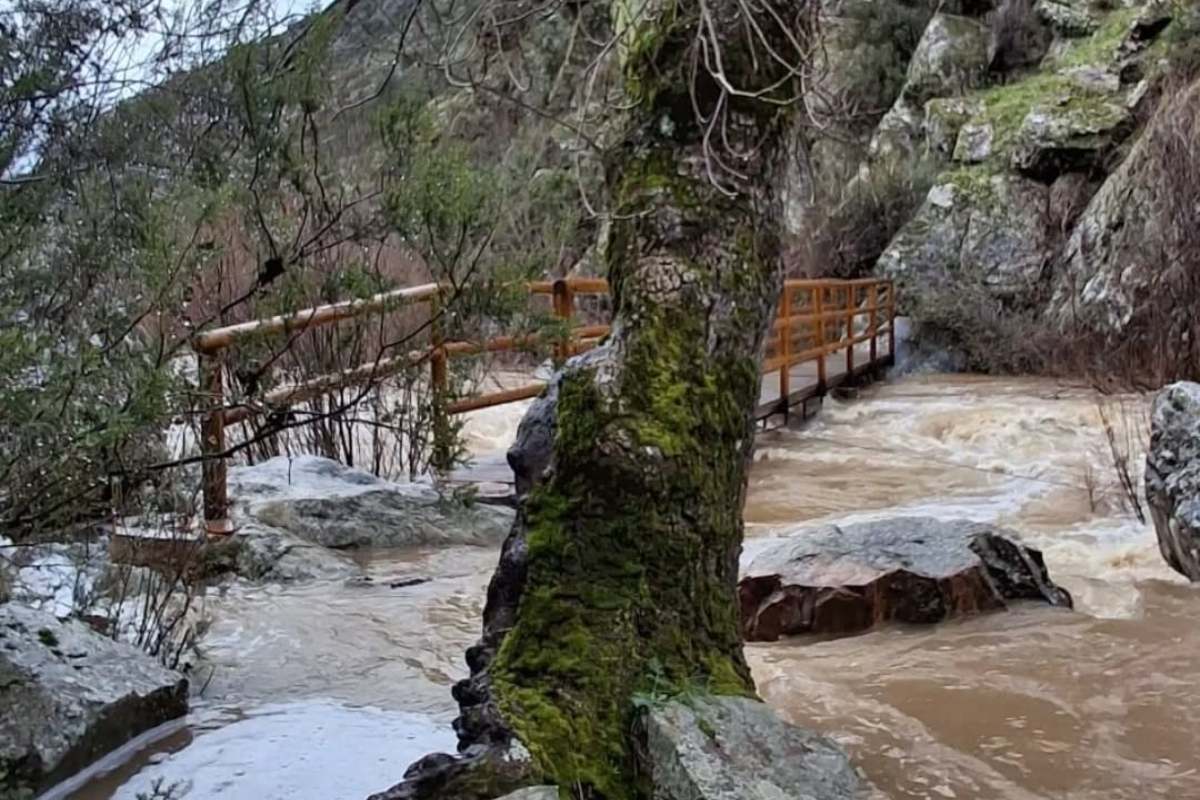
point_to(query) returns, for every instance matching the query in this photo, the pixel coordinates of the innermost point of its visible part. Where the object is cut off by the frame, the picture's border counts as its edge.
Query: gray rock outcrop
(734, 748)
(985, 228)
(1015, 218)
(844, 579)
(1110, 262)
(294, 517)
(950, 59)
(1173, 476)
(69, 695)
(330, 504)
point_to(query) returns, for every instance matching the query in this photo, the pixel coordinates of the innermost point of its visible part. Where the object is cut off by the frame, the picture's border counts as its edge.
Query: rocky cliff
(1037, 123)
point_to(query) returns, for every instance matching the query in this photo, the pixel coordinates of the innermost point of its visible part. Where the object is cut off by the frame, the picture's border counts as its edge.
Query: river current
(325, 691)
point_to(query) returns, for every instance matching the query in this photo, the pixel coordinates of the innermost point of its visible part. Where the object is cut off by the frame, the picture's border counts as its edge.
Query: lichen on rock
(1173, 476)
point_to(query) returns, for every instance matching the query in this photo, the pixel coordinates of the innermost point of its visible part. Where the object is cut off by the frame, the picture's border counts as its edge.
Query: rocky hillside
(1031, 122)
(1046, 187)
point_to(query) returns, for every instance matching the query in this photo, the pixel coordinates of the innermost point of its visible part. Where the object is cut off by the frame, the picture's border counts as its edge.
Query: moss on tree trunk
(634, 534)
(620, 577)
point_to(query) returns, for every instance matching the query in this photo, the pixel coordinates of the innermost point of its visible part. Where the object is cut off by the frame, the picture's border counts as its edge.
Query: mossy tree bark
(619, 580)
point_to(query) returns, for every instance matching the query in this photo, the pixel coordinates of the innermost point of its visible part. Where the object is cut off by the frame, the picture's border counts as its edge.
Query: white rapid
(328, 690)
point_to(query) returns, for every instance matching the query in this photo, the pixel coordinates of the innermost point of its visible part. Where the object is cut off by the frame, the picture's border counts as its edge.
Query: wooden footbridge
(826, 333)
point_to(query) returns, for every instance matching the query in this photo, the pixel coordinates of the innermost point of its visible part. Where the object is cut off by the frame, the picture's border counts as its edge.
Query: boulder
(944, 118)
(844, 579)
(1074, 133)
(974, 142)
(69, 695)
(1173, 476)
(322, 502)
(734, 748)
(62, 578)
(975, 225)
(262, 553)
(950, 58)
(1068, 18)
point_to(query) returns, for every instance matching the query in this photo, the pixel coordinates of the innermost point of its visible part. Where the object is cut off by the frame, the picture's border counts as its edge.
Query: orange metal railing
(817, 319)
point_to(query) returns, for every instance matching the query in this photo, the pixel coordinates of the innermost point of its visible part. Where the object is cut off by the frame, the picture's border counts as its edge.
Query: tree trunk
(619, 579)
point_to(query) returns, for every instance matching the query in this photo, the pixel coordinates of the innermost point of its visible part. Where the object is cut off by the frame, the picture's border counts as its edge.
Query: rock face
(733, 748)
(988, 229)
(844, 579)
(950, 58)
(69, 695)
(1109, 262)
(1173, 476)
(1007, 140)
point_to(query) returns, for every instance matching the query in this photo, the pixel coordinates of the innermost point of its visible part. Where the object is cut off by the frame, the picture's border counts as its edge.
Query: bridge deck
(492, 474)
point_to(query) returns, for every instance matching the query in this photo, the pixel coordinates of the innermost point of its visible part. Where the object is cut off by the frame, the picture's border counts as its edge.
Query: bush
(854, 217)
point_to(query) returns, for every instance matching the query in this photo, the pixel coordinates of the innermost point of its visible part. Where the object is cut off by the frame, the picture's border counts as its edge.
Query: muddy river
(325, 691)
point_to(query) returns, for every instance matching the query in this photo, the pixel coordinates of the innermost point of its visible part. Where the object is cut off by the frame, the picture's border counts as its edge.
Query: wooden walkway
(492, 475)
(825, 333)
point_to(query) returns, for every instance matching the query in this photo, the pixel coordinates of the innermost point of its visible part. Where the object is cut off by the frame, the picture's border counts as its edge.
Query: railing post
(442, 456)
(819, 310)
(874, 320)
(212, 445)
(892, 320)
(564, 309)
(850, 300)
(785, 346)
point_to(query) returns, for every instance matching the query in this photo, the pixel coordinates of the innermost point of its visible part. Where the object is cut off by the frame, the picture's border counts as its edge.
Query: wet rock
(263, 553)
(480, 772)
(69, 695)
(845, 579)
(734, 748)
(326, 503)
(1173, 476)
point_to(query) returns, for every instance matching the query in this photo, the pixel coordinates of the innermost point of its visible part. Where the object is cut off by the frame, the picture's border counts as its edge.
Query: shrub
(854, 217)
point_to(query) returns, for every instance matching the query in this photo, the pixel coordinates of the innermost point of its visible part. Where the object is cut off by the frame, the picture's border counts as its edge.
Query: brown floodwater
(327, 690)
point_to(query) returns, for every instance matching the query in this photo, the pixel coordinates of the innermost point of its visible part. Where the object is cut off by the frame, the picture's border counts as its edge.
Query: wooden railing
(817, 319)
